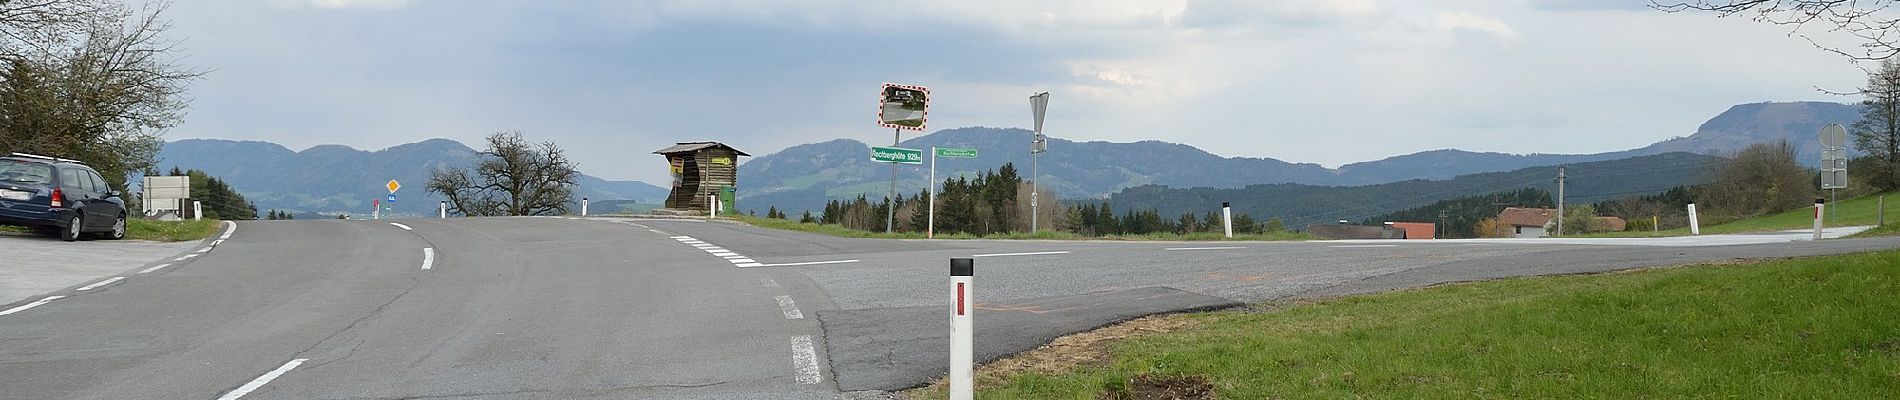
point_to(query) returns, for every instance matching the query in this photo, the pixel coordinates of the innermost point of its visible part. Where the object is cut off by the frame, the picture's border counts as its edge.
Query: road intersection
(649, 308)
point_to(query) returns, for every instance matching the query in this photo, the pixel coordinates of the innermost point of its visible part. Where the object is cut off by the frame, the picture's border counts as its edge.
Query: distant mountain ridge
(803, 177)
(336, 178)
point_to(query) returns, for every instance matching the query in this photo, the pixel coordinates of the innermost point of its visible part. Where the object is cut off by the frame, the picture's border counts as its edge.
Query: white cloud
(359, 4)
(1453, 21)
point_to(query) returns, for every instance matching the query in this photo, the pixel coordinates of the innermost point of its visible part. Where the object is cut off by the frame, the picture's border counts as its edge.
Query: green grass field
(168, 231)
(1801, 328)
(841, 231)
(1851, 212)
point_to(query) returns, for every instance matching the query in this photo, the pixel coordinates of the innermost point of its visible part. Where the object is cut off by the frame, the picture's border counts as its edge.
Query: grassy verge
(1799, 328)
(841, 231)
(1883, 230)
(1851, 212)
(170, 231)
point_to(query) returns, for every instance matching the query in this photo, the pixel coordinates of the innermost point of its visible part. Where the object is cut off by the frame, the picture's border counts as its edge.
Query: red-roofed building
(1527, 222)
(1417, 230)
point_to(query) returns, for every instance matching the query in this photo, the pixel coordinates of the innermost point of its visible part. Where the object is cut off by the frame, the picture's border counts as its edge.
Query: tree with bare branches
(1877, 134)
(513, 177)
(1871, 22)
(90, 80)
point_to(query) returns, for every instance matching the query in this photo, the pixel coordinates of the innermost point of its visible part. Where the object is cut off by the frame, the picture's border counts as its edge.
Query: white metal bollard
(1227, 219)
(962, 337)
(442, 209)
(1819, 205)
(583, 206)
(712, 206)
(1694, 227)
(197, 210)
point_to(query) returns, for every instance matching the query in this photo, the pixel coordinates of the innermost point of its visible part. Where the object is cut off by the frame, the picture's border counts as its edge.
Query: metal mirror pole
(890, 211)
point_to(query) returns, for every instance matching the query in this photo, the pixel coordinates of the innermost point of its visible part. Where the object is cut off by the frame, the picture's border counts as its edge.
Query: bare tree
(514, 177)
(103, 93)
(1761, 179)
(1868, 21)
(1877, 134)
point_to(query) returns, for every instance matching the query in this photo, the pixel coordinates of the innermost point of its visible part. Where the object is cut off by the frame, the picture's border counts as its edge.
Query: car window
(98, 182)
(25, 173)
(71, 179)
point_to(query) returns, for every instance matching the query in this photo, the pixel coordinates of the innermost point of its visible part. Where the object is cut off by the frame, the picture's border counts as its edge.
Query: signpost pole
(962, 340)
(890, 210)
(930, 227)
(1038, 105)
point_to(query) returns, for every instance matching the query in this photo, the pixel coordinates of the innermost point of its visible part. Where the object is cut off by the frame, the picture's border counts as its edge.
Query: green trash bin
(726, 203)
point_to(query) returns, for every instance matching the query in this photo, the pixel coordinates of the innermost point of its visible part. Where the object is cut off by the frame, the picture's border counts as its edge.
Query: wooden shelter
(701, 169)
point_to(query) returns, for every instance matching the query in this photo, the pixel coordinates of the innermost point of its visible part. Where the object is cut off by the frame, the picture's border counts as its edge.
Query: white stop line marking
(805, 360)
(261, 380)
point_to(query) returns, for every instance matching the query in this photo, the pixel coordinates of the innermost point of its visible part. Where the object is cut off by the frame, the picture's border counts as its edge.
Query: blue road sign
(392, 197)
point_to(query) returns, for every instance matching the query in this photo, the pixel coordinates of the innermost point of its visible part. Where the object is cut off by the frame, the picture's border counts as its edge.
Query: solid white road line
(184, 257)
(230, 228)
(1202, 248)
(102, 283)
(742, 260)
(428, 257)
(805, 360)
(1358, 246)
(204, 250)
(791, 310)
(656, 231)
(749, 265)
(48, 299)
(768, 282)
(681, 237)
(404, 227)
(261, 380)
(1021, 254)
(809, 263)
(155, 268)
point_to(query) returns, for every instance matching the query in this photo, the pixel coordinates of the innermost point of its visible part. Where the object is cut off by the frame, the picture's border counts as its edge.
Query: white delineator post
(1694, 228)
(712, 206)
(1819, 205)
(1227, 219)
(583, 206)
(442, 209)
(930, 227)
(197, 210)
(376, 209)
(962, 338)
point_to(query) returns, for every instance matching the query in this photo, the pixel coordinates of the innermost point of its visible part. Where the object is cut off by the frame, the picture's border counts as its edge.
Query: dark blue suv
(59, 195)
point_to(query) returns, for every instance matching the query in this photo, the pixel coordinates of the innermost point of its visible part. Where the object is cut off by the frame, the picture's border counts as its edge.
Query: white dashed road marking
(184, 257)
(805, 360)
(1202, 248)
(23, 307)
(1038, 253)
(102, 283)
(261, 380)
(154, 268)
(404, 227)
(1360, 246)
(204, 250)
(428, 257)
(791, 309)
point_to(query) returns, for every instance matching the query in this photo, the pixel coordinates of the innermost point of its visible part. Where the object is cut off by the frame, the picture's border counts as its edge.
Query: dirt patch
(1065, 353)
(1146, 387)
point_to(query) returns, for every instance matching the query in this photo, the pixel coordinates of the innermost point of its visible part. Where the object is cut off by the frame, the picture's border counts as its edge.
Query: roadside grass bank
(841, 231)
(1794, 328)
(170, 231)
(1883, 230)
(1857, 211)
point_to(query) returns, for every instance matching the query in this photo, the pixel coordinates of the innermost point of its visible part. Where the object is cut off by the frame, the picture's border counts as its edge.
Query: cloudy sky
(1324, 81)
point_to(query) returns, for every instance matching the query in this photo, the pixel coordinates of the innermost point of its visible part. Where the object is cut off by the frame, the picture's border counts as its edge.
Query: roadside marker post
(1820, 204)
(583, 206)
(442, 209)
(375, 209)
(1694, 228)
(197, 210)
(1227, 219)
(712, 206)
(962, 338)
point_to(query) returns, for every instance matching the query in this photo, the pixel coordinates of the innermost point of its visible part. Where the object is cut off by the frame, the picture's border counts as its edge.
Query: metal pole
(930, 227)
(1694, 227)
(1883, 210)
(1560, 201)
(890, 200)
(962, 340)
(1035, 175)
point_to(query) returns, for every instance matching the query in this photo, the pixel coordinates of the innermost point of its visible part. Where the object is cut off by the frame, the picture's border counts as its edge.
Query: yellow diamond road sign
(393, 185)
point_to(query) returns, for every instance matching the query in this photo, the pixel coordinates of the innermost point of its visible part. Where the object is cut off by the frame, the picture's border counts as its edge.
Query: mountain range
(804, 177)
(335, 178)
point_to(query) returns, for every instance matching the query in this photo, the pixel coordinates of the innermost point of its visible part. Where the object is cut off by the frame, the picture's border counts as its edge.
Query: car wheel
(72, 228)
(118, 230)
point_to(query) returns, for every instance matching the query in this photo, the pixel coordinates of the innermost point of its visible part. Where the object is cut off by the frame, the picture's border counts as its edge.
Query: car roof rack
(68, 160)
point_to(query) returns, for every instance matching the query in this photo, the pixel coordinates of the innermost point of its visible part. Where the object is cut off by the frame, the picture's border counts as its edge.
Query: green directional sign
(956, 153)
(897, 155)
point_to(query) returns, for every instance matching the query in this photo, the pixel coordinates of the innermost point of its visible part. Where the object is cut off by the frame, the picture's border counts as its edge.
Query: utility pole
(1560, 201)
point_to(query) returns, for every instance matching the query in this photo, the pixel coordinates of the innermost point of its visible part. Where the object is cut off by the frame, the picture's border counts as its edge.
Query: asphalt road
(619, 308)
